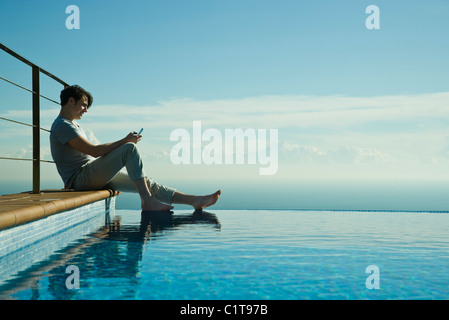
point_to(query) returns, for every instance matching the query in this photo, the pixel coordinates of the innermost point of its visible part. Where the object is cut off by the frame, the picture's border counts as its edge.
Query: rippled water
(251, 254)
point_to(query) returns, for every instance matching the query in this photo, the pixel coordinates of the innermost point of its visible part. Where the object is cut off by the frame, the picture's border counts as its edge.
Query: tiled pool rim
(49, 220)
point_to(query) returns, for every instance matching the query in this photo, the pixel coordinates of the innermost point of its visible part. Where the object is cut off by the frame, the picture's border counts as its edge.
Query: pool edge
(20, 208)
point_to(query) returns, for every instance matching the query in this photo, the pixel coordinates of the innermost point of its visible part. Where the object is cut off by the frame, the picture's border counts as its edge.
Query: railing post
(36, 131)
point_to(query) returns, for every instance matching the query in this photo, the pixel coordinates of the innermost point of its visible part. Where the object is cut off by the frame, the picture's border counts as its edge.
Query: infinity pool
(238, 254)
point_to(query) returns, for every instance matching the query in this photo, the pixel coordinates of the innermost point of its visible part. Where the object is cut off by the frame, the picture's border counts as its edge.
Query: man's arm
(85, 146)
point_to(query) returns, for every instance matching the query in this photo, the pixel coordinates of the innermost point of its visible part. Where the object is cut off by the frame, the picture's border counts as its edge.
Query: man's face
(80, 108)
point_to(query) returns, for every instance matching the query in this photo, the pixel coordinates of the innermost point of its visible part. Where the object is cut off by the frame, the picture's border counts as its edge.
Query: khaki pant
(105, 173)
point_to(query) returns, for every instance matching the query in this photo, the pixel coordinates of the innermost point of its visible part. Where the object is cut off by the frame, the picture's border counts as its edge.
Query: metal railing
(35, 91)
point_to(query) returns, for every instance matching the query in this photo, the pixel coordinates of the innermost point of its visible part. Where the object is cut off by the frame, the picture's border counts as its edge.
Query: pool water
(248, 254)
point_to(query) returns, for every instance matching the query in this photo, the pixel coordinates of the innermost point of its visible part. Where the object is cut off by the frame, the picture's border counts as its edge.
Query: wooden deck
(19, 208)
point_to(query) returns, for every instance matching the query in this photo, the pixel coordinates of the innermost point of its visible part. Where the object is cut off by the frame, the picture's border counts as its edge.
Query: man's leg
(98, 173)
(122, 182)
(197, 202)
(148, 202)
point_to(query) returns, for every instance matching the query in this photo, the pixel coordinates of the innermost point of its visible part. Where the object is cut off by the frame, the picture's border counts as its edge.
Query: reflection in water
(152, 224)
(116, 259)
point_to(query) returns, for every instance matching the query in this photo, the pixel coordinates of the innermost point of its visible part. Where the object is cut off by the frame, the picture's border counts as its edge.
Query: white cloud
(357, 155)
(91, 136)
(277, 111)
(266, 111)
(366, 132)
(306, 154)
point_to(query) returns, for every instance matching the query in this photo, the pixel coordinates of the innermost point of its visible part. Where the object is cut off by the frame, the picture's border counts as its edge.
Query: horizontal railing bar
(36, 71)
(19, 57)
(17, 85)
(47, 161)
(42, 96)
(48, 74)
(15, 55)
(23, 123)
(24, 159)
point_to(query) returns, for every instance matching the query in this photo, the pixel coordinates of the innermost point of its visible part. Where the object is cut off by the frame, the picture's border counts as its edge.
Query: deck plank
(19, 208)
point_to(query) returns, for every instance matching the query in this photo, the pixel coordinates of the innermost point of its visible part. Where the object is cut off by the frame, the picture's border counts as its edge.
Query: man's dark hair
(75, 92)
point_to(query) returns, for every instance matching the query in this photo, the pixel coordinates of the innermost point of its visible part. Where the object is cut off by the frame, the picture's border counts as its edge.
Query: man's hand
(133, 137)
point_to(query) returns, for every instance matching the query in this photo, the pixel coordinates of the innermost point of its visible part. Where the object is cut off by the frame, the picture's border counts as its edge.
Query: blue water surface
(249, 254)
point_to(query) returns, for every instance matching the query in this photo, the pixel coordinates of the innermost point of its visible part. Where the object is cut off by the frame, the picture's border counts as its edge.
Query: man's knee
(129, 147)
(126, 151)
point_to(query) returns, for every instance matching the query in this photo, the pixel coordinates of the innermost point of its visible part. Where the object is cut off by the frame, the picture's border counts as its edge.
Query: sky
(352, 106)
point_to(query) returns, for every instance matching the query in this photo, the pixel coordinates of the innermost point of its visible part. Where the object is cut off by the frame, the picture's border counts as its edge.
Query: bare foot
(206, 201)
(152, 204)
